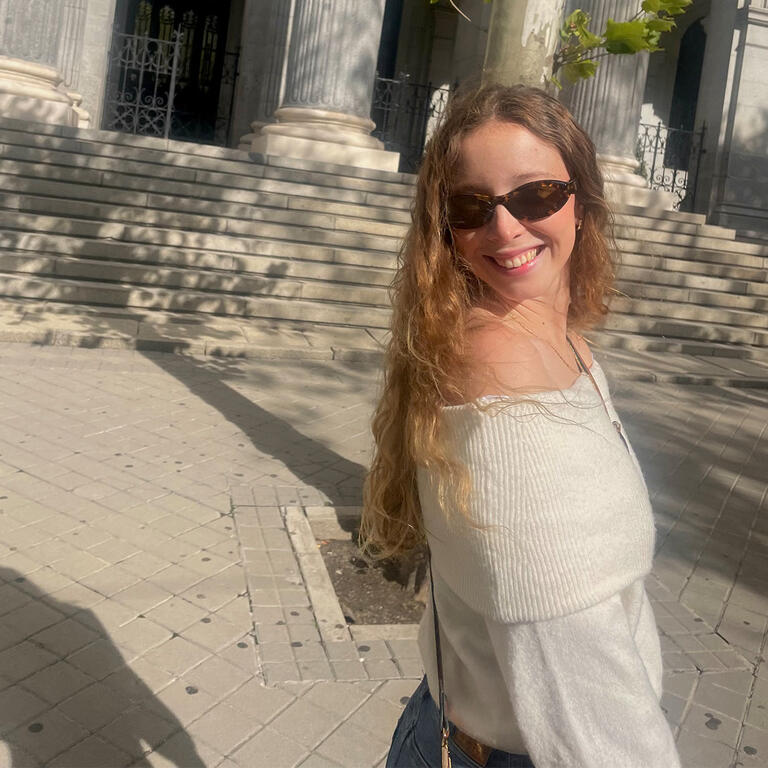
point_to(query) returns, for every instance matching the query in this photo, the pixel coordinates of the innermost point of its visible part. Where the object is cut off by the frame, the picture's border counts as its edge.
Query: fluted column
(31, 82)
(608, 107)
(324, 111)
(263, 51)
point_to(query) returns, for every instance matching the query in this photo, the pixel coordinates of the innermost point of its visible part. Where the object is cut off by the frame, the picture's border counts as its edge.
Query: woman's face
(496, 158)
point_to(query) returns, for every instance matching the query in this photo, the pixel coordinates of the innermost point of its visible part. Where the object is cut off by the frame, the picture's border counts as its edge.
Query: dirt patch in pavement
(384, 592)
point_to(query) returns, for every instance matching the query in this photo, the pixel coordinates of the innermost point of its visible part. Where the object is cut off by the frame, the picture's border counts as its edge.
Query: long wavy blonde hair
(432, 294)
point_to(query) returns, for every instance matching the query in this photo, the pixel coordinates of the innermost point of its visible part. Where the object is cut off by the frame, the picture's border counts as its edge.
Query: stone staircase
(145, 226)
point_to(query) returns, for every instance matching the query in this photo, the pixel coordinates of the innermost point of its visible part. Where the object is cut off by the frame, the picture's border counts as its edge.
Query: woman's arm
(581, 693)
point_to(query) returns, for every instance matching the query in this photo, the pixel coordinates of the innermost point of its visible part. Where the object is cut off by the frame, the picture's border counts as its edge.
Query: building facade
(359, 82)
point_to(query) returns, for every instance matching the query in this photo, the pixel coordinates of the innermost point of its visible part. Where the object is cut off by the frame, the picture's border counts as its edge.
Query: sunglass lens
(537, 201)
(467, 211)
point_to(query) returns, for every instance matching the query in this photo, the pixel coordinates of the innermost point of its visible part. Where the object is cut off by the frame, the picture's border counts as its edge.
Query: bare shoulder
(502, 360)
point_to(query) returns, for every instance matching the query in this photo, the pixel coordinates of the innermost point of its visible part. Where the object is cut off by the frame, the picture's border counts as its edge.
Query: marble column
(33, 47)
(324, 111)
(608, 107)
(263, 51)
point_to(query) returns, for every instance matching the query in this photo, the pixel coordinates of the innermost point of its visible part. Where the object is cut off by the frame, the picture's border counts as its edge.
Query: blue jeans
(416, 741)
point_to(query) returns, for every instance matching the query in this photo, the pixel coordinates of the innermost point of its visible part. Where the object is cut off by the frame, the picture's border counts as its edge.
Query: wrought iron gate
(404, 113)
(669, 159)
(150, 90)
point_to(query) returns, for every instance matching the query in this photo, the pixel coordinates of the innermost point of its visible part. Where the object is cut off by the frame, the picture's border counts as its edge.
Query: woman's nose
(503, 223)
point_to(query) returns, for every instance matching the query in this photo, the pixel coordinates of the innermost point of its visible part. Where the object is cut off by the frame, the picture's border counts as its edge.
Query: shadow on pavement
(312, 462)
(66, 686)
(703, 451)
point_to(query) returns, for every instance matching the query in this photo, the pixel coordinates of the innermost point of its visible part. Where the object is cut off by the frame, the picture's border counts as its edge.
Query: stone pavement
(161, 603)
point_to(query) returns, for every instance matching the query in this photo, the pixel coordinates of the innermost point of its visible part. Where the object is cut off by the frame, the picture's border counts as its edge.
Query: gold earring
(578, 224)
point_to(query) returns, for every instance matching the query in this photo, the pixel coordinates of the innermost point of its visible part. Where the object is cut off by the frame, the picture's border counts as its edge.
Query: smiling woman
(498, 447)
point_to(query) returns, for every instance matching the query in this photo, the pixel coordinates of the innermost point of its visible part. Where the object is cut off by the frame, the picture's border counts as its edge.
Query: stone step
(183, 166)
(666, 308)
(683, 279)
(624, 220)
(102, 294)
(123, 144)
(249, 190)
(654, 325)
(305, 243)
(733, 264)
(196, 279)
(692, 297)
(633, 342)
(242, 255)
(123, 204)
(261, 223)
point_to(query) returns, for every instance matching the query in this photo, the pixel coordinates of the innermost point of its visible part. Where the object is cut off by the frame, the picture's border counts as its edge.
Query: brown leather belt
(471, 747)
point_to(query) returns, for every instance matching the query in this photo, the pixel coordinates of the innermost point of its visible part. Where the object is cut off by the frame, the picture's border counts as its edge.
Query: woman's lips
(519, 263)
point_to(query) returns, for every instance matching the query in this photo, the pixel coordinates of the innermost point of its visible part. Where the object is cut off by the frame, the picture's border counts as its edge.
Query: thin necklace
(583, 367)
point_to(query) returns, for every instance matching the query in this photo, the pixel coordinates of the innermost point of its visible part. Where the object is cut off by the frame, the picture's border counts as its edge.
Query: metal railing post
(172, 86)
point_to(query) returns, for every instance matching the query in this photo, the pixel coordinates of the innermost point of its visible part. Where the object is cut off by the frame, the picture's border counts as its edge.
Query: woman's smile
(517, 263)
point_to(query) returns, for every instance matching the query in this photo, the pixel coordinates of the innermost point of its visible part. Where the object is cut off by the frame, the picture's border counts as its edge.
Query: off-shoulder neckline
(579, 382)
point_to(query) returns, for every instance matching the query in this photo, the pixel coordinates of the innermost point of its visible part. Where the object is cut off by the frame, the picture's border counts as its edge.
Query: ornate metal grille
(404, 113)
(141, 85)
(157, 87)
(669, 159)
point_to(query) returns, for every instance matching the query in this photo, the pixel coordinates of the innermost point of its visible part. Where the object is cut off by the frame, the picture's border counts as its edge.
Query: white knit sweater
(549, 642)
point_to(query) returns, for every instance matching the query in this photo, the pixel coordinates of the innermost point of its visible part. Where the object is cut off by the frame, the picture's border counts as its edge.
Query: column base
(325, 152)
(625, 187)
(29, 91)
(329, 137)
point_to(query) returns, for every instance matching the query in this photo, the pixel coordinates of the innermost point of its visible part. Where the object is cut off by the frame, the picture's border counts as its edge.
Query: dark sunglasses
(532, 201)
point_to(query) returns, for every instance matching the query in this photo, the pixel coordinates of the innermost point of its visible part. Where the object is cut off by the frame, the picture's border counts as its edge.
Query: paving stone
(753, 749)
(92, 752)
(98, 659)
(315, 723)
(49, 734)
(353, 747)
(182, 749)
(261, 703)
(135, 728)
(176, 655)
(269, 747)
(349, 670)
(95, 706)
(18, 706)
(377, 715)
(185, 702)
(57, 682)
(698, 752)
(65, 637)
(701, 721)
(315, 670)
(217, 675)
(24, 659)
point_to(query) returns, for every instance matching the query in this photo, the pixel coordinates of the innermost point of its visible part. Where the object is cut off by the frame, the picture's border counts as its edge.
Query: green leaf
(556, 83)
(651, 6)
(579, 70)
(625, 36)
(673, 7)
(660, 25)
(576, 25)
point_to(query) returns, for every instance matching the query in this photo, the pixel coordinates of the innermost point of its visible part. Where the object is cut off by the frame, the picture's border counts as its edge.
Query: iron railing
(669, 159)
(151, 93)
(141, 84)
(405, 114)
